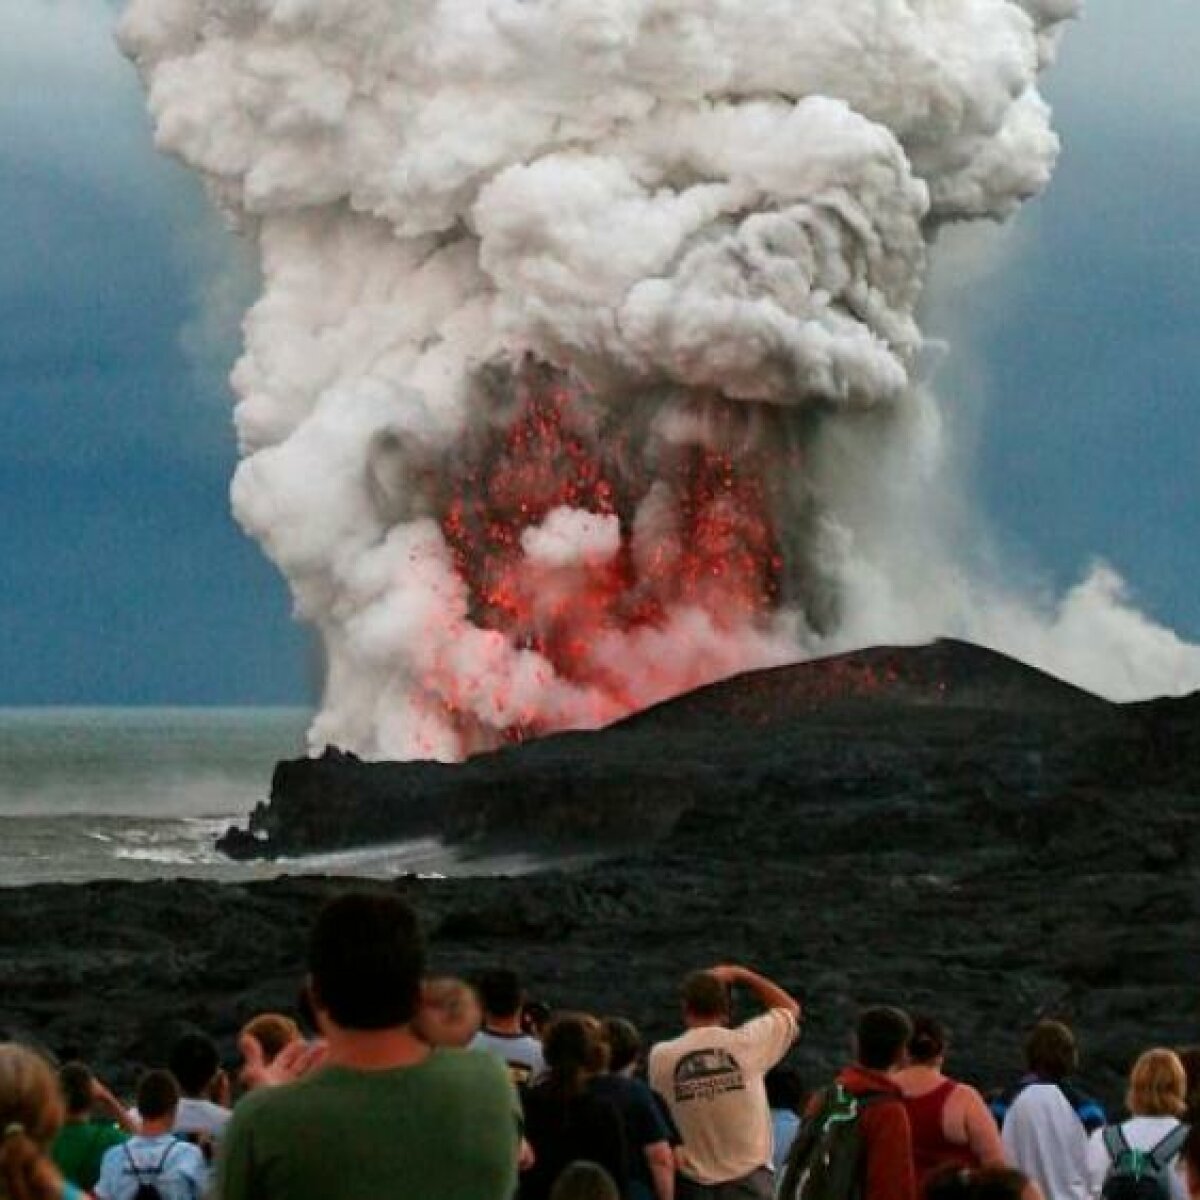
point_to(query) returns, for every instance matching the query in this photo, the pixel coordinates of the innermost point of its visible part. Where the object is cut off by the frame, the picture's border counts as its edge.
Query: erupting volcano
(586, 367)
(563, 549)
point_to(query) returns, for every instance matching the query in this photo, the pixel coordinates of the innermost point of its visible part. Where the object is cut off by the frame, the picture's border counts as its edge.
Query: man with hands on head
(711, 1079)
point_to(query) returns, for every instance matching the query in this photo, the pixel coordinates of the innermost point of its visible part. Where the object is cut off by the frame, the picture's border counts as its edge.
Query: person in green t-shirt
(83, 1139)
(384, 1114)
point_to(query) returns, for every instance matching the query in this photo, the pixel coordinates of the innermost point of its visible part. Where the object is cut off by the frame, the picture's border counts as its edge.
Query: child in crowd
(450, 1012)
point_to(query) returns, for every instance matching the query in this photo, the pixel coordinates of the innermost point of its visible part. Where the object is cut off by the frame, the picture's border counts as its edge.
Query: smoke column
(586, 366)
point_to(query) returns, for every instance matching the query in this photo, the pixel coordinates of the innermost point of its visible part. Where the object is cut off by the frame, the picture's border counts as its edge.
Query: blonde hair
(450, 1012)
(1157, 1085)
(31, 1113)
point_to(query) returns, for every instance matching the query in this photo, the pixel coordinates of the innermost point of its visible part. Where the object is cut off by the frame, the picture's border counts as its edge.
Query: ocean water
(141, 793)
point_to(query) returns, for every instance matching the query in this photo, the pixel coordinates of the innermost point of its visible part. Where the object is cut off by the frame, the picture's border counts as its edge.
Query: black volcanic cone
(892, 711)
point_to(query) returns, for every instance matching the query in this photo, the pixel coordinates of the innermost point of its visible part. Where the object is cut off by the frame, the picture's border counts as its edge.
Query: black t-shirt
(561, 1131)
(641, 1116)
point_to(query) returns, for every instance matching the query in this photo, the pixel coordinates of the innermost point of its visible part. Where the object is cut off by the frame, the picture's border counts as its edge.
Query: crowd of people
(434, 1088)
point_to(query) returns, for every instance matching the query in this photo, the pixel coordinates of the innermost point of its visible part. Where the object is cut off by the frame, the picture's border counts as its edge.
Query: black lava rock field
(938, 827)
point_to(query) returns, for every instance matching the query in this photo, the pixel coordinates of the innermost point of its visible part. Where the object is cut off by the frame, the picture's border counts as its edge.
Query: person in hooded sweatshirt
(881, 1039)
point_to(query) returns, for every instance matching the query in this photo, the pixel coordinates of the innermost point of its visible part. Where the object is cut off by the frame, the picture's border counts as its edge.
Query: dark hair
(194, 1061)
(584, 1181)
(1050, 1050)
(534, 1015)
(574, 1049)
(500, 992)
(928, 1040)
(784, 1089)
(624, 1042)
(881, 1035)
(157, 1094)
(75, 1080)
(950, 1182)
(366, 958)
(704, 995)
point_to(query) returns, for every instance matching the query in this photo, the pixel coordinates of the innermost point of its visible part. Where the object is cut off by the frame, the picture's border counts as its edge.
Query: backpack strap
(137, 1171)
(158, 1170)
(1115, 1141)
(1163, 1151)
(162, 1162)
(1091, 1115)
(838, 1104)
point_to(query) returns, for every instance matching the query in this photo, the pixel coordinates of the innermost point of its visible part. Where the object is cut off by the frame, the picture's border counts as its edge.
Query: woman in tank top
(950, 1120)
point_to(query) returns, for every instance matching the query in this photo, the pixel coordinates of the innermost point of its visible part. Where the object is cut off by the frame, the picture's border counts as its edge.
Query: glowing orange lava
(710, 544)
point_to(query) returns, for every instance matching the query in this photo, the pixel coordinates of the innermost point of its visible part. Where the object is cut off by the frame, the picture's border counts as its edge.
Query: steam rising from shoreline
(586, 365)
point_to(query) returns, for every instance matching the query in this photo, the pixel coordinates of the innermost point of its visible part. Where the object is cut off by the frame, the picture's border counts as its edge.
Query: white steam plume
(585, 366)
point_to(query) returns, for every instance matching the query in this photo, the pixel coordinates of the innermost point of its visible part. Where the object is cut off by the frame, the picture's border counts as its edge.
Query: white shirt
(183, 1173)
(201, 1116)
(1044, 1136)
(711, 1078)
(520, 1052)
(1142, 1133)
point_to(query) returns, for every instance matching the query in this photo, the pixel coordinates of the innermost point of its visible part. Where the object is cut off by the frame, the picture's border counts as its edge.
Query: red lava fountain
(695, 532)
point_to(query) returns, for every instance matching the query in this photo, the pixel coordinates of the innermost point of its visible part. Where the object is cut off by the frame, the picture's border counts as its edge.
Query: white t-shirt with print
(711, 1079)
(522, 1054)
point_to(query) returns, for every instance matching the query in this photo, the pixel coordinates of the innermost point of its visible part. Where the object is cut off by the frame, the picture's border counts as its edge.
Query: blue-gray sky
(126, 580)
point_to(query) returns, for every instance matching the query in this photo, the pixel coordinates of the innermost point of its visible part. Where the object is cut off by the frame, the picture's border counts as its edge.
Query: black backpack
(828, 1157)
(1139, 1174)
(145, 1189)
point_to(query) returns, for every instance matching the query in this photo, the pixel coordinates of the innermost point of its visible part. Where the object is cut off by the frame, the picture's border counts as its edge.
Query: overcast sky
(125, 581)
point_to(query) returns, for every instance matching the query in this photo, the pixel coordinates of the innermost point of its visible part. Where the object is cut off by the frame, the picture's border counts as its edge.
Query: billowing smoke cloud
(586, 366)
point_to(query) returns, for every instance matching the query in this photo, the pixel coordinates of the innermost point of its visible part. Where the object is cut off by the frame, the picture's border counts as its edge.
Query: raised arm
(104, 1099)
(769, 994)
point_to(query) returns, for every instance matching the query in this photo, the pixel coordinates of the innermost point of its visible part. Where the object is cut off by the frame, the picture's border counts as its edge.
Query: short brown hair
(272, 1031)
(624, 1042)
(1157, 1085)
(704, 995)
(76, 1081)
(366, 960)
(158, 1094)
(1050, 1050)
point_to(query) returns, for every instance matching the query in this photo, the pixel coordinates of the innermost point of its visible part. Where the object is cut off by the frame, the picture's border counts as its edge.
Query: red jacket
(890, 1171)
